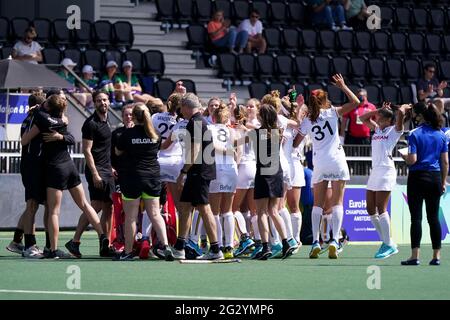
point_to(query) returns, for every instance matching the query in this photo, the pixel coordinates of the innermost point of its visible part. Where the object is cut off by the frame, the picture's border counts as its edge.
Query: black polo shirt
(205, 170)
(99, 132)
(117, 162)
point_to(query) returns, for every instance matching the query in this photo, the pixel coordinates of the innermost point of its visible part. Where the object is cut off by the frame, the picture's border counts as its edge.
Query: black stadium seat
(5, 52)
(163, 88)
(113, 55)
(406, 94)
(358, 67)
(309, 41)
(303, 66)
(278, 86)
(416, 43)
(246, 66)
(202, 10)
(137, 58)
(165, 11)
(344, 41)
(273, 39)
(102, 33)
(257, 89)
(62, 36)
(278, 13)
(184, 11)
(17, 27)
(296, 13)
(436, 19)
(402, 18)
(75, 55)
(433, 45)
(340, 65)
(362, 42)
(387, 17)
(223, 5)
(322, 68)
(44, 30)
(94, 57)
(380, 45)
(376, 69)
(189, 85)
(446, 45)
(197, 37)
(420, 19)
(227, 65)
(83, 35)
(290, 38)
(154, 63)
(412, 70)
(51, 56)
(399, 43)
(373, 94)
(285, 67)
(444, 70)
(265, 65)
(335, 95)
(123, 34)
(263, 10)
(240, 10)
(4, 30)
(327, 39)
(390, 94)
(394, 69)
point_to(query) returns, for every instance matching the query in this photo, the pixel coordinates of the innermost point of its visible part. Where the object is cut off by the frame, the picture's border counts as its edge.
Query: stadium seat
(273, 39)
(75, 55)
(303, 67)
(436, 19)
(322, 68)
(387, 17)
(83, 36)
(189, 85)
(376, 69)
(398, 44)
(240, 10)
(163, 88)
(5, 52)
(265, 65)
(137, 58)
(420, 19)
(257, 90)
(390, 94)
(223, 5)
(433, 44)
(102, 34)
(358, 68)
(344, 41)
(197, 37)
(263, 10)
(309, 41)
(394, 69)
(278, 86)
(335, 95)
(444, 70)
(113, 55)
(123, 34)
(406, 94)
(446, 45)
(300, 88)
(62, 36)
(416, 44)
(17, 28)
(278, 13)
(340, 65)
(202, 10)
(362, 42)
(165, 12)
(402, 18)
(296, 13)
(154, 63)
(227, 65)
(373, 94)
(94, 57)
(285, 67)
(246, 66)
(184, 11)
(44, 30)
(4, 30)
(380, 45)
(327, 39)
(290, 37)
(354, 88)
(412, 70)
(51, 56)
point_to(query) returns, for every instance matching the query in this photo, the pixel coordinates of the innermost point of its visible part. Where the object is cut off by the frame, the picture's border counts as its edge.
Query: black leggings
(424, 185)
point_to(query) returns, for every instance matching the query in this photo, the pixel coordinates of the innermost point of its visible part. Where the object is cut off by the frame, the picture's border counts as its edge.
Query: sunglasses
(253, 16)
(431, 71)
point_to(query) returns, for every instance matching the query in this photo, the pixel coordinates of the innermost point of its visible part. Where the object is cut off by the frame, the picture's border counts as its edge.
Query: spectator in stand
(223, 35)
(328, 12)
(254, 28)
(131, 88)
(27, 49)
(358, 132)
(67, 64)
(110, 82)
(356, 13)
(91, 81)
(429, 88)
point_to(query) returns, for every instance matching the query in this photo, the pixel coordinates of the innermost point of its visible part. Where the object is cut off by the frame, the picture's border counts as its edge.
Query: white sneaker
(33, 252)
(333, 250)
(345, 27)
(211, 256)
(178, 254)
(15, 247)
(335, 28)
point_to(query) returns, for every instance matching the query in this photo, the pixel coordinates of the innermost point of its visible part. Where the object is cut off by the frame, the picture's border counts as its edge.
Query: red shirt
(356, 128)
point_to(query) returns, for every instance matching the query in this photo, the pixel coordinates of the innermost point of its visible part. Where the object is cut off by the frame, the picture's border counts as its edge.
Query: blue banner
(18, 108)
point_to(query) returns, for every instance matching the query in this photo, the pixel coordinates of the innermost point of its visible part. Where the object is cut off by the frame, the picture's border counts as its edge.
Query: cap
(111, 63)
(127, 63)
(67, 62)
(87, 69)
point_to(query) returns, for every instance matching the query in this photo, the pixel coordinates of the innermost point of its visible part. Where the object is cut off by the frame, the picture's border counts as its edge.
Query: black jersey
(267, 150)
(99, 132)
(116, 161)
(141, 152)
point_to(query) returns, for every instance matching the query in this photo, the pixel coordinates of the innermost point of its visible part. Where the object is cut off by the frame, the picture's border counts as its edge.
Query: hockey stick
(209, 261)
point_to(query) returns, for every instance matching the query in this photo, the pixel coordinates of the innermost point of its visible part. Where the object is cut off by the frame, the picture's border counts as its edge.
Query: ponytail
(430, 113)
(142, 115)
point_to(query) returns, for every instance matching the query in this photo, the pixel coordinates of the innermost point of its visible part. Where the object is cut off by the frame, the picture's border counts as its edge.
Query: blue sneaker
(244, 245)
(255, 252)
(191, 244)
(386, 251)
(277, 251)
(333, 250)
(324, 247)
(315, 250)
(296, 245)
(380, 249)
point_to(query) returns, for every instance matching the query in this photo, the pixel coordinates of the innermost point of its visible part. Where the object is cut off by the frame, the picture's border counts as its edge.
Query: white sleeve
(259, 27)
(394, 136)
(304, 127)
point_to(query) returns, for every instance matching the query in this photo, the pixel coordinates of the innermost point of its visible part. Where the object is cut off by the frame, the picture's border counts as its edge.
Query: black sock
(179, 245)
(29, 241)
(18, 235)
(257, 242)
(265, 246)
(47, 239)
(285, 243)
(102, 237)
(214, 247)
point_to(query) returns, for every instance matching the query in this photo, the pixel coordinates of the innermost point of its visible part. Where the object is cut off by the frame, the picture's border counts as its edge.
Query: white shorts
(382, 179)
(170, 168)
(297, 174)
(246, 175)
(226, 180)
(286, 167)
(333, 170)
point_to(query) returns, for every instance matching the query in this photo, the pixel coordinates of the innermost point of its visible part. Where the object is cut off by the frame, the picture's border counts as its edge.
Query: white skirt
(382, 179)
(170, 168)
(333, 170)
(226, 179)
(297, 174)
(246, 175)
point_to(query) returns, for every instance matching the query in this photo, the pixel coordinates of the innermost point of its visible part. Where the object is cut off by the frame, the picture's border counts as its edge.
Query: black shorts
(195, 190)
(32, 170)
(62, 176)
(268, 186)
(133, 186)
(103, 194)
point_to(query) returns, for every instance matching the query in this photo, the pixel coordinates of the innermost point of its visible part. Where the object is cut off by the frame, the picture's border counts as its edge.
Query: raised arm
(399, 123)
(353, 99)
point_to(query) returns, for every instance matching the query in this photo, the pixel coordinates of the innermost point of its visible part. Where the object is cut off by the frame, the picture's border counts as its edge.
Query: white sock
(296, 220)
(195, 227)
(338, 217)
(316, 216)
(248, 220)
(228, 229)
(385, 224)
(325, 227)
(255, 227)
(274, 237)
(240, 221)
(219, 230)
(284, 213)
(146, 225)
(376, 223)
(202, 230)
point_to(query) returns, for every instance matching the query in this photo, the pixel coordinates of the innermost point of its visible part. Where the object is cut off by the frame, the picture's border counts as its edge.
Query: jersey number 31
(319, 131)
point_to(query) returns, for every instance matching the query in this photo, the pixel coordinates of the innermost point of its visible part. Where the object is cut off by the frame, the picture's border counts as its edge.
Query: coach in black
(199, 170)
(96, 133)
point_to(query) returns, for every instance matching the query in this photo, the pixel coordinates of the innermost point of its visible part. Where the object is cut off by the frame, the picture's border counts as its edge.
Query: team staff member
(61, 174)
(141, 179)
(428, 160)
(96, 133)
(198, 173)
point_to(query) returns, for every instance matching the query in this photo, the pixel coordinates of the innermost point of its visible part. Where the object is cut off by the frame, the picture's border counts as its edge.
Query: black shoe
(287, 251)
(105, 249)
(191, 254)
(74, 248)
(263, 255)
(412, 262)
(124, 256)
(168, 254)
(58, 254)
(435, 262)
(157, 252)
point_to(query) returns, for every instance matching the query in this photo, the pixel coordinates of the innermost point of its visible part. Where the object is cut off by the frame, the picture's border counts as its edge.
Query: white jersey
(324, 133)
(383, 142)
(222, 138)
(177, 148)
(164, 123)
(298, 153)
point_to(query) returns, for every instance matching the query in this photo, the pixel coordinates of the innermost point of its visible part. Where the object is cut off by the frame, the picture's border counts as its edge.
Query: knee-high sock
(228, 229)
(385, 225)
(284, 213)
(375, 219)
(195, 227)
(338, 217)
(274, 237)
(316, 216)
(219, 230)
(146, 225)
(240, 220)
(255, 227)
(202, 230)
(325, 227)
(248, 222)
(296, 220)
